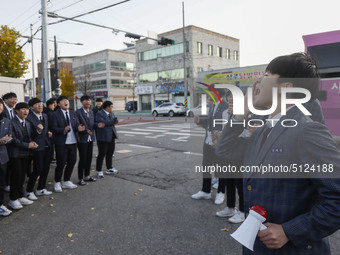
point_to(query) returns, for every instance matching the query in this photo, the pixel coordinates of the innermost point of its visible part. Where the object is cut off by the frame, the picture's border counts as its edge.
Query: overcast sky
(266, 28)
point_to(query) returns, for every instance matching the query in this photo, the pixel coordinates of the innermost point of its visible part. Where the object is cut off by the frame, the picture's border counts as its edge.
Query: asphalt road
(145, 209)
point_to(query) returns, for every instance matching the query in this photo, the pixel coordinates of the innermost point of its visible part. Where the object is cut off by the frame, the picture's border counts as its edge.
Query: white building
(107, 74)
(15, 85)
(160, 69)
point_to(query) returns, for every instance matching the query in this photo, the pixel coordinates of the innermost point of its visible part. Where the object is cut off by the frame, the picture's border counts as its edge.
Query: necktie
(41, 119)
(11, 113)
(265, 134)
(23, 124)
(110, 116)
(67, 119)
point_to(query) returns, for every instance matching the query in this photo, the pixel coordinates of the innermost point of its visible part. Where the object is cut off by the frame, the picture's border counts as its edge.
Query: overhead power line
(80, 15)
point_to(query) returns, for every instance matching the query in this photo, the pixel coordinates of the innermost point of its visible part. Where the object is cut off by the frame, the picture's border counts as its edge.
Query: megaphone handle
(263, 227)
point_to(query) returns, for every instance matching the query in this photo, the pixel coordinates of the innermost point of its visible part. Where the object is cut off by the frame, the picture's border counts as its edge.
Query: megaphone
(247, 232)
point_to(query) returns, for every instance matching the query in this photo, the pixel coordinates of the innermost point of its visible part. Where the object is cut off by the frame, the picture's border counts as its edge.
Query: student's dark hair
(85, 97)
(50, 101)
(61, 98)
(299, 69)
(21, 105)
(9, 95)
(1, 114)
(106, 104)
(99, 100)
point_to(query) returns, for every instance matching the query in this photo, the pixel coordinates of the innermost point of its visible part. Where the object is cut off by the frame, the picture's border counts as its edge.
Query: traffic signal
(134, 36)
(166, 41)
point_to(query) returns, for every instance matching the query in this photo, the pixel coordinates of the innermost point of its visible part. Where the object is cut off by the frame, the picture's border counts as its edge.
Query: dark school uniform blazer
(109, 132)
(307, 207)
(58, 124)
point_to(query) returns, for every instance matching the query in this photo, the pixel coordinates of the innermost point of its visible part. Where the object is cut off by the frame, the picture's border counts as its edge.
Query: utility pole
(34, 93)
(47, 84)
(57, 90)
(184, 64)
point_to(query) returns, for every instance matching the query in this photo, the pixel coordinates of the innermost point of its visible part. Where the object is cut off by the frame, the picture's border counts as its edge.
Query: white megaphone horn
(247, 232)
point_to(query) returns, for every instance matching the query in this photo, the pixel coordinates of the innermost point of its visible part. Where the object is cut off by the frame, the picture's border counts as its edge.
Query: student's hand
(32, 145)
(101, 125)
(253, 128)
(89, 132)
(81, 128)
(274, 236)
(67, 129)
(4, 139)
(49, 134)
(40, 127)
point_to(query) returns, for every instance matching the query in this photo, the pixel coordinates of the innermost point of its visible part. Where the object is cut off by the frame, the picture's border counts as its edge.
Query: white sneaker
(57, 187)
(25, 201)
(219, 199)
(7, 188)
(43, 192)
(237, 218)
(4, 211)
(15, 204)
(68, 185)
(100, 175)
(112, 171)
(201, 195)
(30, 195)
(226, 212)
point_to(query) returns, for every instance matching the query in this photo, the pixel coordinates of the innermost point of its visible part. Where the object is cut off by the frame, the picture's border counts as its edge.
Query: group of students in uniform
(28, 138)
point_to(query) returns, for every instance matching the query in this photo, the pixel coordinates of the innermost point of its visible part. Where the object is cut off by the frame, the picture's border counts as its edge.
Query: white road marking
(135, 133)
(154, 137)
(151, 130)
(128, 135)
(181, 139)
(140, 146)
(186, 134)
(193, 153)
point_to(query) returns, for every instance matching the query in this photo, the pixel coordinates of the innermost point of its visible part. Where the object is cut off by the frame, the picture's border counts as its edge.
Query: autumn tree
(12, 58)
(67, 85)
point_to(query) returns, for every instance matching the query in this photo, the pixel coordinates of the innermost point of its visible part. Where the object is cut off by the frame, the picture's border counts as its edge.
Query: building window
(235, 55)
(162, 52)
(199, 69)
(227, 53)
(219, 52)
(187, 46)
(199, 47)
(210, 50)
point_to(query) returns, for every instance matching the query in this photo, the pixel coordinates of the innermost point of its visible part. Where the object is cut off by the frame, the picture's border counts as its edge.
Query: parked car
(170, 109)
(131, 106)
(194, 111)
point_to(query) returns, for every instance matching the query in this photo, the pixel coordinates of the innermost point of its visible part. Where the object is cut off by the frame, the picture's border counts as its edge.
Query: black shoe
(81, 182)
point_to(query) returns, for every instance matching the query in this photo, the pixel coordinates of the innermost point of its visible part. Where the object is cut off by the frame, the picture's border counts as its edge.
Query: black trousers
(18, 168)
(105, 149)
(41, 167)
(232, 184)
(85, 159)
(3, 169)
(208, 160)
(66, 155)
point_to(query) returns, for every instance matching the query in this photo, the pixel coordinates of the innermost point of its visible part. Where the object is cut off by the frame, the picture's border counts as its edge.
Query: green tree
(12, 58)
(67, 85)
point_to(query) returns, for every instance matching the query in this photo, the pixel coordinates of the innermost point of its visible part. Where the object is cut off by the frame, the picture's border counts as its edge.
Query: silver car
(170, 109)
